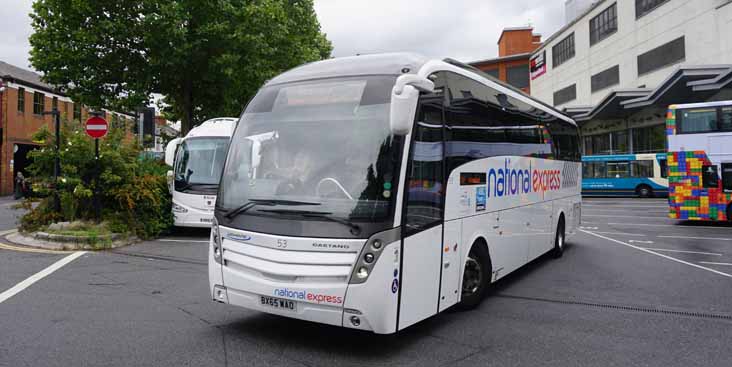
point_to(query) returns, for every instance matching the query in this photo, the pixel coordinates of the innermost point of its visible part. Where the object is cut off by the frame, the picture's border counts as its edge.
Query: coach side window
(425, 179)
(483, 122)
(565, 139)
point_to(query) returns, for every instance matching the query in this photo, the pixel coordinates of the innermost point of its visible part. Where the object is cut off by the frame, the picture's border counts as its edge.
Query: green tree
(207, 58)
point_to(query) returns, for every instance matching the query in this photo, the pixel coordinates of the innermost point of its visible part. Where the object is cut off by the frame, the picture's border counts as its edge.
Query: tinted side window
(727, 177)
(664, 168)
(425, 179)
(565, 139)
(482, 122)
(699, 120)
(710, 177)
(642, 169)
(594, 170)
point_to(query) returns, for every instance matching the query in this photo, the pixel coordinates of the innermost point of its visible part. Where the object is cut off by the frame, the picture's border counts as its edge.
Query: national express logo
(307, 296)
(510, 181)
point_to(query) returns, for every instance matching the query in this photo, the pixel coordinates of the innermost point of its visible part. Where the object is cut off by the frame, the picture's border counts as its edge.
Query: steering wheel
(334, 181)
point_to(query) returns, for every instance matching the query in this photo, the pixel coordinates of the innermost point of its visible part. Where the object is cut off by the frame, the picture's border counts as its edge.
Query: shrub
(132, 190)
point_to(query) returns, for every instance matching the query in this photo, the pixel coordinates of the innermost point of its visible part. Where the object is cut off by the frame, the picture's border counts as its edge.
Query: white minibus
(373, 192)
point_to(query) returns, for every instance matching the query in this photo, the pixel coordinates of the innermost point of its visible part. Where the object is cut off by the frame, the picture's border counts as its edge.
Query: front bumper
(317, 280)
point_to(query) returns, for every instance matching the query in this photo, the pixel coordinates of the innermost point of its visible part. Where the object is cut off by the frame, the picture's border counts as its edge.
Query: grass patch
(81, 229)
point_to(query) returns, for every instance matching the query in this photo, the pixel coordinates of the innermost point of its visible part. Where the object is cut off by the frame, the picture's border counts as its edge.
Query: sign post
(97, 127)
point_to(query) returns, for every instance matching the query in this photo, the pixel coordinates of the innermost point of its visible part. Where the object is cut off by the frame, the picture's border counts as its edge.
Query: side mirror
(171, 184)
(404, 98)
(170, 151)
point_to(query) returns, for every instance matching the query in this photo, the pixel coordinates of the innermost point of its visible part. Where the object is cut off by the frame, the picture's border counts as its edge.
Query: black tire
(559, 240)
(644, 191)
(729, 212)
(473, 291)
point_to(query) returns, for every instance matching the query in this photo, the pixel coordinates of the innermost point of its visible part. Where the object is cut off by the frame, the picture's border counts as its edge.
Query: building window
(492, 72)
(650, 139)
(643, 7)
(21, 100)
(619, 142)
(662, 56)
(605, 79)
(563, 51)
(77, 111)
(54, 103)
(604, 24)
(597, 144)
(565, 95)
(518, 76)
(39, 103)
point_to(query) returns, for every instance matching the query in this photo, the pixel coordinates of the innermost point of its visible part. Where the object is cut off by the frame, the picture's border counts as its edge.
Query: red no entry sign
(96, 127)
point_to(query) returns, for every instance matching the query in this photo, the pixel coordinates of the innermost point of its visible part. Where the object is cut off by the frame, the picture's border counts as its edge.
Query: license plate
(278, 303)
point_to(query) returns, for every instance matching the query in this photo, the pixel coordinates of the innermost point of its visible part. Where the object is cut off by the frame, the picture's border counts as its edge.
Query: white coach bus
(373, 192)
(197, 160)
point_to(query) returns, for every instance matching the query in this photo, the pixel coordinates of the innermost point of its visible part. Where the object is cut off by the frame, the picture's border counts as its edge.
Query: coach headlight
(370, 253)
(216, 249)
(179, 208)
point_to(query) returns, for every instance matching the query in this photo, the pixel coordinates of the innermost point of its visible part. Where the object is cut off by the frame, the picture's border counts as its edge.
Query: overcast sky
(466, 30)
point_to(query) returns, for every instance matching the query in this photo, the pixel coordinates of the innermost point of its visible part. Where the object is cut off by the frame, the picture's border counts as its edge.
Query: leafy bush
(132, 190)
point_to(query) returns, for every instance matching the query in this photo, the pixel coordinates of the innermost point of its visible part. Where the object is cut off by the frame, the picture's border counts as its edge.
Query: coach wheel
(729, 212)
(559, 239)
(476, 277)
(644, 191)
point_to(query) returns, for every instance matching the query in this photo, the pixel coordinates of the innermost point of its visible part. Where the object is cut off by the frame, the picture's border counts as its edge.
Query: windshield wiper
(355, 228)
(254, 202)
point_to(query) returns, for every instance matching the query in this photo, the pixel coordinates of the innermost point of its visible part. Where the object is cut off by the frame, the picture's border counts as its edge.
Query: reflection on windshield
(326, 142)
(199, 162)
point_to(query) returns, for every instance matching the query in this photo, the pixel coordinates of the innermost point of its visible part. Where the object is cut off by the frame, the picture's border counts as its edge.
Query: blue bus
(643, 175)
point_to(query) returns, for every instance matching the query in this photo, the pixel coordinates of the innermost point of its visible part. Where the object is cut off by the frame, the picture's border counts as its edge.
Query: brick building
(23, 99)
(515, 47)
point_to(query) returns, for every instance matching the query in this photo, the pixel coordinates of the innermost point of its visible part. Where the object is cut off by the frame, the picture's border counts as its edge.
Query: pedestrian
(19, 185)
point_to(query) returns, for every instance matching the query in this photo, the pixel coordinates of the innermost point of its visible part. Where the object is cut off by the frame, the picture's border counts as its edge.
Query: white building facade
(620, 63)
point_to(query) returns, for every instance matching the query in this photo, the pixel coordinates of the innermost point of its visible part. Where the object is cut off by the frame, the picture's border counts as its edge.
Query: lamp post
(57, 160)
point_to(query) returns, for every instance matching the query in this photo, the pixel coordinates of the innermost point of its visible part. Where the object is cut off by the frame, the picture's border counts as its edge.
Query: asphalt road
(623, 294)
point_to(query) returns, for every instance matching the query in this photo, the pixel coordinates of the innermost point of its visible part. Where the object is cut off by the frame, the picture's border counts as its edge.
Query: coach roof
(379, 64)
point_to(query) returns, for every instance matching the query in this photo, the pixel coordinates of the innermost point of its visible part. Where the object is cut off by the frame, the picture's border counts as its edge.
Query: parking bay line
(662, 225)
(712, 263)
(683, 251)
(621, 233)
(624, 216)
(657, 254)
(697, 238)
(4, 296)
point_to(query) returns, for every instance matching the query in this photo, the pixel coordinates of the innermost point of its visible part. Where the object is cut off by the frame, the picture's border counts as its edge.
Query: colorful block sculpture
(687, 198)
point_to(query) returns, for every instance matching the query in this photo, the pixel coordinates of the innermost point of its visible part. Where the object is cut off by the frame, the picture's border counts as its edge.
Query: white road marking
(643, 242)
(667, 225)
(697, 238)
(683, 251)
(657, 254)
(643, 224)
(623, 216)
(4, 296)
(711, 263)
(583, 227)
(621, 205)
(665, 212)
(622, 233)
(186, 241)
